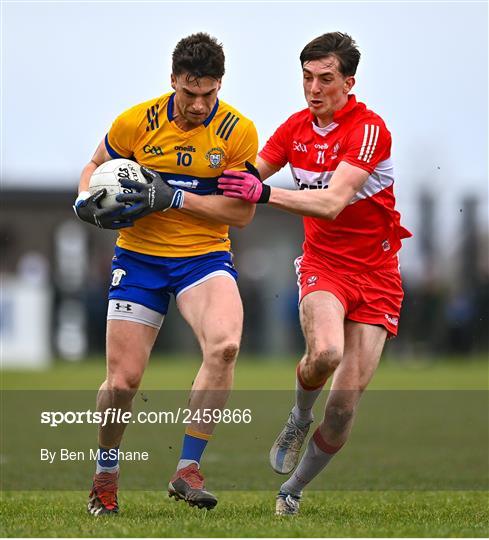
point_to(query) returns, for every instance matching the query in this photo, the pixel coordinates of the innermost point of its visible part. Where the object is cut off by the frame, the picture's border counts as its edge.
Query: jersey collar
(171, 107)
(349, 106)
(338, 116)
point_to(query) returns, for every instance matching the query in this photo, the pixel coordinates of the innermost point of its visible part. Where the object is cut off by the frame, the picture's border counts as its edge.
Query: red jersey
(367, 233)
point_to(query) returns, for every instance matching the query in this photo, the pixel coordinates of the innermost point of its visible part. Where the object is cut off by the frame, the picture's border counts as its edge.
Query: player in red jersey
(350, 287)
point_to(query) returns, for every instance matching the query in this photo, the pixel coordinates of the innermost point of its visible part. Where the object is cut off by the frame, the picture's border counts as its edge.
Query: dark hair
(198, 55)
(342, 46)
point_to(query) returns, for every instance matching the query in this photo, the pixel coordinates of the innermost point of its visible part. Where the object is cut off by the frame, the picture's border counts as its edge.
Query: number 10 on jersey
(184, 159)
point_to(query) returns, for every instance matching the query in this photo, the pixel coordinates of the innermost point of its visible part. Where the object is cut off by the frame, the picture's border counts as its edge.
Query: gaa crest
(215, 157)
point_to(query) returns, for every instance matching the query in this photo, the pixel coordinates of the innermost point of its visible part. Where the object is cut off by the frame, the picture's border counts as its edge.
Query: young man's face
(194, 98)
(325, 88)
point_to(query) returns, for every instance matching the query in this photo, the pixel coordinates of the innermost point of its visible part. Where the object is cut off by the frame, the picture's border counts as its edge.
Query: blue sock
(108, 460)
(194, 444)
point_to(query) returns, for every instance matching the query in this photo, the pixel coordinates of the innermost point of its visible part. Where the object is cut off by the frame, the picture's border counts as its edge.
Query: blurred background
(68, 69)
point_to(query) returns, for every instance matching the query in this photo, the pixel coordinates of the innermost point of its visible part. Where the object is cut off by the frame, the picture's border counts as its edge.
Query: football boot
(287, 504)
(285, 452)
(187, 484)
(103, 497)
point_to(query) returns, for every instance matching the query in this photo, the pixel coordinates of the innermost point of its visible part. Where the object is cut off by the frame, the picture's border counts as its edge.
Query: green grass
(438, 511)
(257, 374)
(240, 514)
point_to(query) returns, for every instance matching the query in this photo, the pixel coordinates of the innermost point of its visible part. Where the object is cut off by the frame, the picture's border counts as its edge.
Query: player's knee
(124, 385)
(325, 360)
(224, 352)
(229, 352)
(338, 417)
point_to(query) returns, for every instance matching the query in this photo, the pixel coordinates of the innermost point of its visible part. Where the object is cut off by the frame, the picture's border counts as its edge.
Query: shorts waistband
(315, 261)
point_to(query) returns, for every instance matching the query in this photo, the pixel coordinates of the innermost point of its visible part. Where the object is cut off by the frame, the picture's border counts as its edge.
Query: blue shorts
(149, 280)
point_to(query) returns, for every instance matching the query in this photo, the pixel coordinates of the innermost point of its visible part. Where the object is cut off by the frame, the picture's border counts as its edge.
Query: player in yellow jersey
(173, 240)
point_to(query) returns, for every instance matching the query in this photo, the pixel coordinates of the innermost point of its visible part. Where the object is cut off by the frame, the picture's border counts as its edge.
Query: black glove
(246, 186)
(252, 170)
(154, 196)
(87, 208)
(266, 191)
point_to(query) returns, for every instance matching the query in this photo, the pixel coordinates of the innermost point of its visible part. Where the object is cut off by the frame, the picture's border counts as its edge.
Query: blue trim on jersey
(112, 153)
(213, 113)
(170, 107)
(194, 184)
(150, 280)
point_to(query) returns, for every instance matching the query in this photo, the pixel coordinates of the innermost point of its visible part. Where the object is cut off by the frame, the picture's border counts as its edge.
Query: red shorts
(372, 297)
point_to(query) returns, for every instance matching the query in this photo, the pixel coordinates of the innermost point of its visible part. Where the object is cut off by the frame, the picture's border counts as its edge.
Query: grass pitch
(324, 513)
(244, 514)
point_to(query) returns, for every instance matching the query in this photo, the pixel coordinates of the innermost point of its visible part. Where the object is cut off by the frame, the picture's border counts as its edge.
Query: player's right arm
(346, 181)
(100, 156)
(87, 206)
(154, 196)
(348, 178)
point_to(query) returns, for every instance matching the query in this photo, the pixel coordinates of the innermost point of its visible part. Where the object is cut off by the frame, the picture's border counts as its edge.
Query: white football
(108, 176)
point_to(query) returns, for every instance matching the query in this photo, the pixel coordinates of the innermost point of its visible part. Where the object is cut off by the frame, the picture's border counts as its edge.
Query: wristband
(265, 194)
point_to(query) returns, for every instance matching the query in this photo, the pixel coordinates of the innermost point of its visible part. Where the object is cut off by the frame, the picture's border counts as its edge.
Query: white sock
(313, 461)
(185, 463)
(101, 469)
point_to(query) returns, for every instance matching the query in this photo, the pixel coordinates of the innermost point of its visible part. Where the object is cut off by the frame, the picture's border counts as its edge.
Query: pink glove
(244, 185)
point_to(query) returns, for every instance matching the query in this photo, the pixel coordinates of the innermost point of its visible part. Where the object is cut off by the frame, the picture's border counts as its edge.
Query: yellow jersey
(190, 160)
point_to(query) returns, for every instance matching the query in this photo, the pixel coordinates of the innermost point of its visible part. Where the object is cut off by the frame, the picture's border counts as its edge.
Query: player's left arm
(234, 212)
(221, 209)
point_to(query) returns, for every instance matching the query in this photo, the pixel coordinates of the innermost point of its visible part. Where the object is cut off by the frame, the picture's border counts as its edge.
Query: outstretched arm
(346, 181)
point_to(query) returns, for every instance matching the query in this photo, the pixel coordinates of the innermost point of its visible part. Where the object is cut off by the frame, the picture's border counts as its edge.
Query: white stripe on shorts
(205, 278)
(126, 310)
(297, 265)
